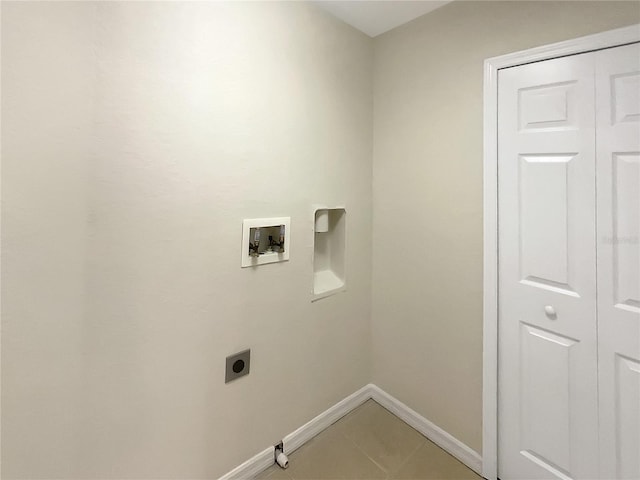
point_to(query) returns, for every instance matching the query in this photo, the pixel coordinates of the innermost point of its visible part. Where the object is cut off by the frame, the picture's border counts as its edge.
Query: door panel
(625, 215)
(544, 222)
(627, 412)
(548, 107)
(547, 358)
(625, 88)
(618, 182)
(546, 370)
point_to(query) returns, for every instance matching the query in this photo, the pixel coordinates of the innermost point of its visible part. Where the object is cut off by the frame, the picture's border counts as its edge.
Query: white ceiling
(376, 17)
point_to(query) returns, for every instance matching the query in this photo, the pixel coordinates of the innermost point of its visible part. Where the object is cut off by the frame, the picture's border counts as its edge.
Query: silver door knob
(550, 312)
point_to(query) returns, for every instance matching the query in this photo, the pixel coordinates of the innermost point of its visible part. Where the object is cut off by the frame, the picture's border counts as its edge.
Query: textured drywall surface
(136, 137)
(427, 229)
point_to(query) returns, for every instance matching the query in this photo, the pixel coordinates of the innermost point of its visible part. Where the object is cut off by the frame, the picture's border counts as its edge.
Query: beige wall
(427, 228)
(136, 137)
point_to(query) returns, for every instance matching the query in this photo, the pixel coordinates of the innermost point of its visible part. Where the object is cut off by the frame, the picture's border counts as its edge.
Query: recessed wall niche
(329, 252)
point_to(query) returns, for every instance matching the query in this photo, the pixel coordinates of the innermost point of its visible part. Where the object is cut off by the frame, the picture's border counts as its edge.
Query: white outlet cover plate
(248, 224)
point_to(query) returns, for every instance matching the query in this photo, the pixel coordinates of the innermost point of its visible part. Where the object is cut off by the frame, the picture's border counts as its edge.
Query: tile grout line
(350, 417)
(361, 450)
(355, 415)
(409, 457)
(340, 432)
(389, 473)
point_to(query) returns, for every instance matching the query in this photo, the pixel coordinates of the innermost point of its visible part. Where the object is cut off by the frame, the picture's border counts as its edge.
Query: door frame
(608, 39)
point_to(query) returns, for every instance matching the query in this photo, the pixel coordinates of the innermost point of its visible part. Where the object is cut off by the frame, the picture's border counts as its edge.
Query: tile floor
(370, 443)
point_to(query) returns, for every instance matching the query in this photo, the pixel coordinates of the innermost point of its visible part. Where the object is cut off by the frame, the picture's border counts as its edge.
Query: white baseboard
(444, 440)
(252, 467)
(296, 439)
(302, 435)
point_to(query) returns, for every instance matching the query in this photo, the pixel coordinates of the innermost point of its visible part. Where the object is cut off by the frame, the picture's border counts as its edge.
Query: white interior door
(547, 357)
(618, 181)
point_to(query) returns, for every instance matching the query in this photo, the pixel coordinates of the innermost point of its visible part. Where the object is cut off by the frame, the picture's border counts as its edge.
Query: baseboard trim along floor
(252, 467)
(444, 440)
(299, 437)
